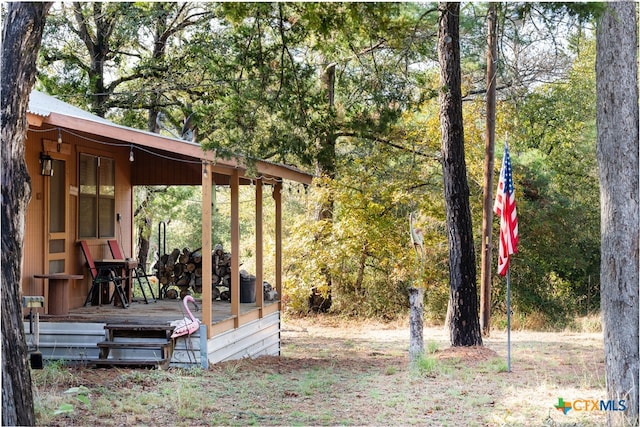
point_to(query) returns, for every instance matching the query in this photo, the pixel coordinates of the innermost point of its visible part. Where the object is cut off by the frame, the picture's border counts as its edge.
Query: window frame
(101, 183)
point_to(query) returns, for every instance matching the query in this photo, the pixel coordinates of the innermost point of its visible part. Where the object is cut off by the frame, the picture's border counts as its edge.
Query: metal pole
(509, 319)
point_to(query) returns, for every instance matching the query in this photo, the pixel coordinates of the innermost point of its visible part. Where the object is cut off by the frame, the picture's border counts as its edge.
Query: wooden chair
(139, 274)
(100, 276)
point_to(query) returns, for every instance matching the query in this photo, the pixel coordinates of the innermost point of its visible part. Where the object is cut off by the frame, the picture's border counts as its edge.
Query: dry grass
(336, 373)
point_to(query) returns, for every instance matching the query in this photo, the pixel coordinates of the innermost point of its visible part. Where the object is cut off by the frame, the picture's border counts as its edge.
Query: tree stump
(416, 342)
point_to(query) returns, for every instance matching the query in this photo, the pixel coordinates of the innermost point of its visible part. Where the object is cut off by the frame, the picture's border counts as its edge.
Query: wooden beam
(34, 120)
(207, 183)
(282, 171)
(250, 316)
(259, 246)
(222, 326)
(141, 138)
(269, 309)
(235, 246)
(277, 196)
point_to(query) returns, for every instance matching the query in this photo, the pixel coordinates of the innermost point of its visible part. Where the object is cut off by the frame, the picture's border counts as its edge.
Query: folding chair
(139, 274)
(100, 276)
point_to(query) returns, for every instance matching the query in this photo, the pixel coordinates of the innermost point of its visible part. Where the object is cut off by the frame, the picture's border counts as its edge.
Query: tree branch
(384, 141)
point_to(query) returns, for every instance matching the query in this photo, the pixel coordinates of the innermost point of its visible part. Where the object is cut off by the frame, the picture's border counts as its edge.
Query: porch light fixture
(47, 165)
(59, 138)
(204, 170)
(131, 159)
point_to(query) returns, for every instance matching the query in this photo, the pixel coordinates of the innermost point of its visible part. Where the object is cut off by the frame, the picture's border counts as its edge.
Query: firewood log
(178, 269)
(172, 258)
(184, 280)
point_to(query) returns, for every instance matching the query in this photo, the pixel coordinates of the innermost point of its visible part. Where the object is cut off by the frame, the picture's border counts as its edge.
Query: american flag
(505, 207)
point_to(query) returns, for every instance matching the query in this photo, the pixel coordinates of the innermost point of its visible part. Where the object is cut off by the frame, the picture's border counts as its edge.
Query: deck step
(132, 344)
(133, 363)
(138, 331)
(136, 327)
(136, 345)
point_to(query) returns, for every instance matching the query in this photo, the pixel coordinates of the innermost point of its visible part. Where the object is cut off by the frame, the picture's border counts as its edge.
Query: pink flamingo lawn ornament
(187, 325)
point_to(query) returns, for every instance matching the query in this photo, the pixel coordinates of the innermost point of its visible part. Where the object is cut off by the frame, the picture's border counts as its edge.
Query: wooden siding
(149, 169)
(33, 259)
(258, 338)
(36, 239)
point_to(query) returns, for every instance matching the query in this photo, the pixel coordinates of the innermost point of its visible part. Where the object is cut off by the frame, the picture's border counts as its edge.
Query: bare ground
(347, 373)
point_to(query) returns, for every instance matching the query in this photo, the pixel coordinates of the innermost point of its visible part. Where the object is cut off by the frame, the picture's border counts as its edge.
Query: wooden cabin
(83, 170)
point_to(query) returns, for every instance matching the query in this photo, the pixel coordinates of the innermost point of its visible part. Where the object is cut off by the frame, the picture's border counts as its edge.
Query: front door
(56, 228)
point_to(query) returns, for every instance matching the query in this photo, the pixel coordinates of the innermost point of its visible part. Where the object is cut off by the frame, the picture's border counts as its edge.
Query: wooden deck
(75, 337)
(160, 311)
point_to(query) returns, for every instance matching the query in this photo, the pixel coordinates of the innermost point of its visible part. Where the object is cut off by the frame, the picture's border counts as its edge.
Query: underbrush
(591, 323)
(537, 321)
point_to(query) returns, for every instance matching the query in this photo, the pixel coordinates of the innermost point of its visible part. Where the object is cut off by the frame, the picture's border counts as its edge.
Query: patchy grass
(345, 373)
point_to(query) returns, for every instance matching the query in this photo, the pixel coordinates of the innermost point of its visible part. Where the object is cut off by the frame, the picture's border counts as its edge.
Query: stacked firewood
(220, 274)
(182, 269)
(221, 267)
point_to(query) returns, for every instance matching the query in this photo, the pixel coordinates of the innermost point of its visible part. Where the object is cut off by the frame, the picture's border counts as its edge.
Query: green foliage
(557, 268)
(366, 249)
(249, 74)
(426, 365)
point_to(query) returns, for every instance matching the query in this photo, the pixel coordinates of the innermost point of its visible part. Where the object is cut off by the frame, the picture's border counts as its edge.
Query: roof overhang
(116, 135)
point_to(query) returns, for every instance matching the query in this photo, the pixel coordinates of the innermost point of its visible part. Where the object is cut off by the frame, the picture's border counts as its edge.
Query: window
(97, 197)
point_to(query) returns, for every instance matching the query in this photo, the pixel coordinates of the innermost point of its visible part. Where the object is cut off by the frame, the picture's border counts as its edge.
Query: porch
(90, 198)
(74, 338)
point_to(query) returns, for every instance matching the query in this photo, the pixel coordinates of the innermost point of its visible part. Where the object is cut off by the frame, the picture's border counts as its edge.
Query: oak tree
(21, 37)
(617, 152)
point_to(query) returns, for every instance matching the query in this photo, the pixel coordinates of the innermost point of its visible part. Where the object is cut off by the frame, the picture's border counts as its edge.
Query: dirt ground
(334, 372)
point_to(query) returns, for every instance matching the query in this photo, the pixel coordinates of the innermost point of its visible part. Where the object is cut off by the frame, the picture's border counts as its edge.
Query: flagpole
(505, 206)
(509, 319)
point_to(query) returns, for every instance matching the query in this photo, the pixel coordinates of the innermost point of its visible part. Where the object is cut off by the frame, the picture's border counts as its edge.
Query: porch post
(259, 247)
(277, 196)
(235, 247)
(207, 182)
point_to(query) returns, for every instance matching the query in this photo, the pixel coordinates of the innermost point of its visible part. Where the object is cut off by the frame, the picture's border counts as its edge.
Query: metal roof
(43, 105)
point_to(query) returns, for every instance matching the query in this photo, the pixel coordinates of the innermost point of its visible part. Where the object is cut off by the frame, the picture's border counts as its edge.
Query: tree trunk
(326, 158)
(487, 194)
(21, 37)
(326, 169)
(97, 44)
(617, 124)
(464, 324)
(416, 334)
(144, 232)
